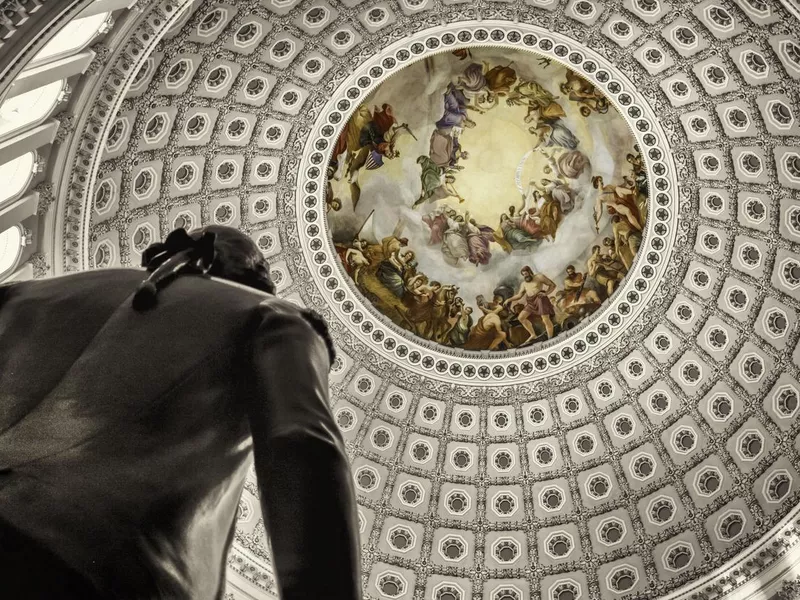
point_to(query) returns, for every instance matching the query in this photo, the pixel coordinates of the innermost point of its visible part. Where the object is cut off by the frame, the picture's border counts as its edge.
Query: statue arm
(304, 478)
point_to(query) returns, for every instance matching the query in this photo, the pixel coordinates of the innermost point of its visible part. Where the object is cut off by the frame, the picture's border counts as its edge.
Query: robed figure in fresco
(130, 413)
(368, 139)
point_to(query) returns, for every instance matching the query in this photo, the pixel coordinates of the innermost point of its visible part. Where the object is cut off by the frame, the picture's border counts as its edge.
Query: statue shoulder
(274, 310)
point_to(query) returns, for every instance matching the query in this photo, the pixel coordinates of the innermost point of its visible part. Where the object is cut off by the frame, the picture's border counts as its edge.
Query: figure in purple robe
(455, 109)
(473, 79)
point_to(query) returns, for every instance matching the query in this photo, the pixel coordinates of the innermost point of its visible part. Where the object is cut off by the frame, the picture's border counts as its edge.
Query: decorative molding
(793, 6)
(41, 267)
(100, 59)
(790, 590)
(66, 126)
(46, 197)
(26, 29)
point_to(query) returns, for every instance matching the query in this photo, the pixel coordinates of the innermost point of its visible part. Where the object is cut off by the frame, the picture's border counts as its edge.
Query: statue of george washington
(130, 413)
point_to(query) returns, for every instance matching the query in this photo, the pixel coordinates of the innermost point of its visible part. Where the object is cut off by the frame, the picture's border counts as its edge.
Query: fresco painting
(486, 199)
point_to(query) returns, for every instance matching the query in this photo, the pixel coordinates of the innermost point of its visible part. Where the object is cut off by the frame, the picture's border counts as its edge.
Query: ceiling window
(74, 37)
(10, 250)
(31, 107)
(15, 175)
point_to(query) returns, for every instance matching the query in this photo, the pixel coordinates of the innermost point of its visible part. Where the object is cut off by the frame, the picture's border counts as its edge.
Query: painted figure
(355, 259)
(331, 201)
(626, 240)
(588, 98)
(445, 149)
(559, 191)
(436, 184)
(488, 333)
(540, 103)
(639, 173)
(486, 82)
(437, 222)
(535, 289)
(618, 200)
(459, 332)
(478, 239)
(454, 243)
(575, 291)
(455, 110)
(606, 276)
(570, 164)
(420, 302)
(368, 138)
(443, 300)
(553, 132)
(544, 114)
(392, 271)
(515, 236)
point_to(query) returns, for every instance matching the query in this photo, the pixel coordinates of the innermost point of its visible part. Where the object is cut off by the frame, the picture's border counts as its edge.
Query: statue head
(215, 250)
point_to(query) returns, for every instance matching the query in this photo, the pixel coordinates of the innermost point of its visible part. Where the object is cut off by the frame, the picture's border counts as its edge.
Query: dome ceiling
(505, 172)
(643, 449)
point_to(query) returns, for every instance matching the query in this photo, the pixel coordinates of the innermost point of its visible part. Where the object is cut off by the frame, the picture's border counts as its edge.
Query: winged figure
(368, 139)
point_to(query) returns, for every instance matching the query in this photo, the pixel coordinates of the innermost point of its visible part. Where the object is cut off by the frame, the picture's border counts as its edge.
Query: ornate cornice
(41, 267)
(27, 27)
(793, 6)
(95, 106)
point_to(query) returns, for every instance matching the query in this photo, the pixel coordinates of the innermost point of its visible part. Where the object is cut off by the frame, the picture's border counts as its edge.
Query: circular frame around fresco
(489, 367)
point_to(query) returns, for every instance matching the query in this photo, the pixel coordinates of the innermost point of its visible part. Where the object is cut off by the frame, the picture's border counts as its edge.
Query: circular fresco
(486, 198)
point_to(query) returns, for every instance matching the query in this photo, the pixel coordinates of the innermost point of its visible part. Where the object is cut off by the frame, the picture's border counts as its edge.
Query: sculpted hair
(215, 250)
(218, 251)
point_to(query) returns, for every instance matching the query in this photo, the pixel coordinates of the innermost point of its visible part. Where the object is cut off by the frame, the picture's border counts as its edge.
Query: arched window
(16, 174)
(31, 107)
(10, 250)
(71, 39)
